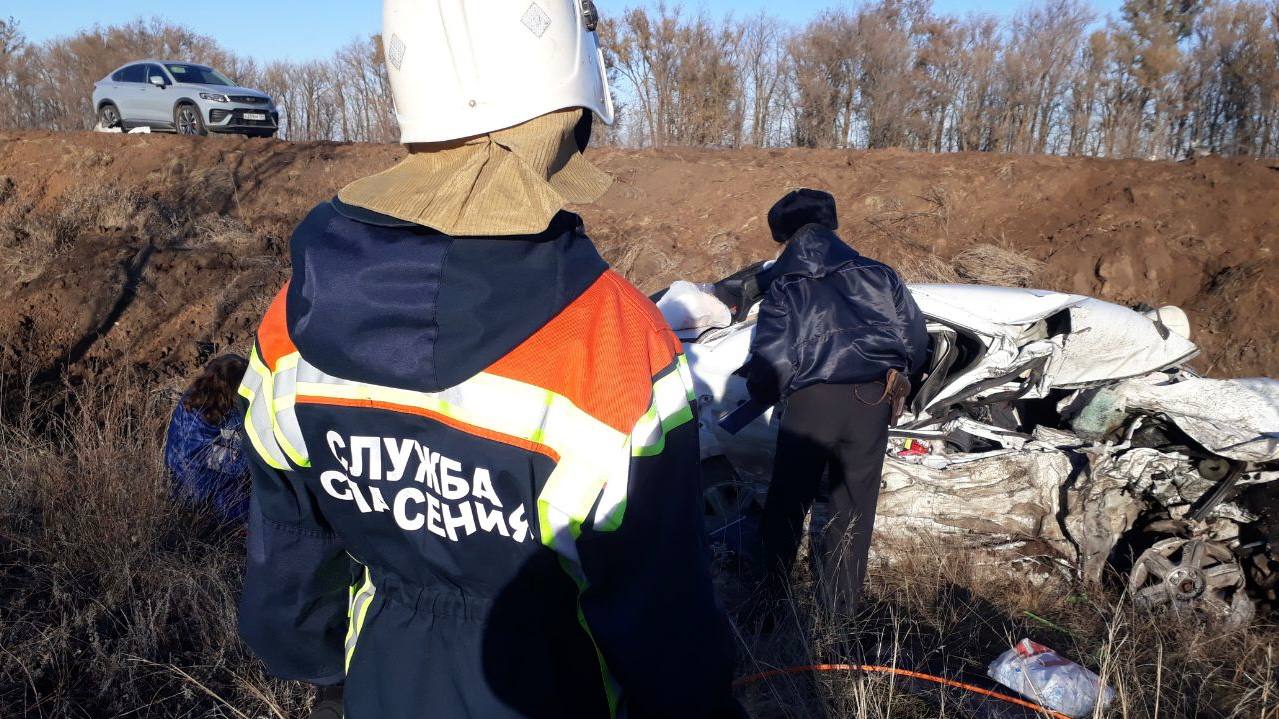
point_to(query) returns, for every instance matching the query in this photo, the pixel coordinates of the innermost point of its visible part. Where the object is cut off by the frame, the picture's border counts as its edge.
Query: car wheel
(186, 118)
(108, 116)
(1193, 575)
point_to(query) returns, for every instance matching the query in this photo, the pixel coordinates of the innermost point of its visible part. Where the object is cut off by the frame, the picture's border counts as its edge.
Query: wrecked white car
(1056, 426)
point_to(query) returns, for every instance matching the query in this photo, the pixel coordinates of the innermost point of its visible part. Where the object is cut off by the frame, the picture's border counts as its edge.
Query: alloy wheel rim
(1192, 574)
(186, 121)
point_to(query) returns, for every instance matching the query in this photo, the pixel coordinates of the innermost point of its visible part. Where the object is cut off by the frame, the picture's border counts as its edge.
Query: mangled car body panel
(1107, 342)
(1002, 499)
(1034, 341)
(987, 309)
(1237, 419)
(1135, 440)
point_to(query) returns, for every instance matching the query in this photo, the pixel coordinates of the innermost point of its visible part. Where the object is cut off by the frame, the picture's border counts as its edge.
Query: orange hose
(899, 672)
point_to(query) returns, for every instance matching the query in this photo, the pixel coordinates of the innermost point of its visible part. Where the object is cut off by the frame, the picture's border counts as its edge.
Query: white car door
(129, 97)
(157, 100)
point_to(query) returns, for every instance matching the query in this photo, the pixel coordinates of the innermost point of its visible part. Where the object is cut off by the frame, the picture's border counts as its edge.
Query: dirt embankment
(155, 250)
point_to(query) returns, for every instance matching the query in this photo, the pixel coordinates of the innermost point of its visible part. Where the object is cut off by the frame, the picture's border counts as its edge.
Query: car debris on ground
(1049, 426)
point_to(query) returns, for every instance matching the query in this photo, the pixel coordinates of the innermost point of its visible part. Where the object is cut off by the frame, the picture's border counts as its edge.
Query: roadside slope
(153, 250)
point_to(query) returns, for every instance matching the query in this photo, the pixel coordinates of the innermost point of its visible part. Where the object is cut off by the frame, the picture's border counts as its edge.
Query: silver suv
(181, 97)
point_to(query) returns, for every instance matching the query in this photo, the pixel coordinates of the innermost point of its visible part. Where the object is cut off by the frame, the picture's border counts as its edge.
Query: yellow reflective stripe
(490, 402)
(612, 506)
(565, 502)
(686, 375)
(671, 408)
(284, 423)
(296, 457)
(256, 388)
(260, 369)
(357, 612)
(559, 532)
(350, 613)
(612, 688)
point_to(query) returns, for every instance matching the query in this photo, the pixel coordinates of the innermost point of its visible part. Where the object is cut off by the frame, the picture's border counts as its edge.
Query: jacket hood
(384, 301)
(814, 251)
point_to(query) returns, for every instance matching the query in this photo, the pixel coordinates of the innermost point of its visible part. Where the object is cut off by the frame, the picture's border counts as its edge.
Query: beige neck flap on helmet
(488, 94)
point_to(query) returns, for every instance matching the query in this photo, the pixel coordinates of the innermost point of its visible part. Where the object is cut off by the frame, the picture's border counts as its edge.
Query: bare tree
(823, 62)
(1044, 45)
(685, 76)
(763, 57)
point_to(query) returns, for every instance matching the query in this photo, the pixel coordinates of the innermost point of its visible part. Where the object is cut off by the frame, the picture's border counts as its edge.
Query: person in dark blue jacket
(837, 338)
(476, 489)
(202, 447)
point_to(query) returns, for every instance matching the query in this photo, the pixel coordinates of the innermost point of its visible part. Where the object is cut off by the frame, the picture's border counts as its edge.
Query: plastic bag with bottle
(1044, 676)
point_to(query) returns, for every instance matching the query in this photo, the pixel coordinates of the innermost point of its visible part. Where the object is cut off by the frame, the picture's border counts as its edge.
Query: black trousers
(841, 430)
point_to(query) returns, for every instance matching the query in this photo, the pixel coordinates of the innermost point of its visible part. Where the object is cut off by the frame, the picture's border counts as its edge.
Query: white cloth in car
(687, 306)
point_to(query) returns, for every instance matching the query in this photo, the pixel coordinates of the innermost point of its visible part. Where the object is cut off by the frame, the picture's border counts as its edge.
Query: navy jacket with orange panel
(475, 482)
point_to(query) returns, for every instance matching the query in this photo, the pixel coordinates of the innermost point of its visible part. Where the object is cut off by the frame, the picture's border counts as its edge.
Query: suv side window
(135, 73)
(156, 71)
(117, 76)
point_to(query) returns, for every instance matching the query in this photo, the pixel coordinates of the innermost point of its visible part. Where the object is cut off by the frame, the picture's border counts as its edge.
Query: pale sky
(303, 30)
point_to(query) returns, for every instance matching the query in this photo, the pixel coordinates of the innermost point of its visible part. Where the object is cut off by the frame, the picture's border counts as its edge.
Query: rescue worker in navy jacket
(475, 487)
(838, 335)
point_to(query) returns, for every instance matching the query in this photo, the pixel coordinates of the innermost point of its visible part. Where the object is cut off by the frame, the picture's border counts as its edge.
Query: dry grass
(227, 233)
(192, 209)
(926, 268)
(641, 254)
(117, 602)
(30, 240)
(938, 611)
(991, 264)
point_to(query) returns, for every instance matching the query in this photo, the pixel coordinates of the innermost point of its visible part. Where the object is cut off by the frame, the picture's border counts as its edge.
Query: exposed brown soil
(137, 249)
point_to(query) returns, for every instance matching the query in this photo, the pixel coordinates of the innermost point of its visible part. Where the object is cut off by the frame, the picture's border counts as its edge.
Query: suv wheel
(108, 116)
(186, 118)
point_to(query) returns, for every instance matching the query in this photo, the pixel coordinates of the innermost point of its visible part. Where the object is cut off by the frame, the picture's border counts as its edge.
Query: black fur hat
(799, 208)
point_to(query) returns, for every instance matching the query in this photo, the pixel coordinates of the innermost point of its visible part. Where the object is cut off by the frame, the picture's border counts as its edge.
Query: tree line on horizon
(1162, 79)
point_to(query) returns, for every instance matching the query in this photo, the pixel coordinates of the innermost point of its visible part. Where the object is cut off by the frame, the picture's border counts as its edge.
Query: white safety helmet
(461, 68)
